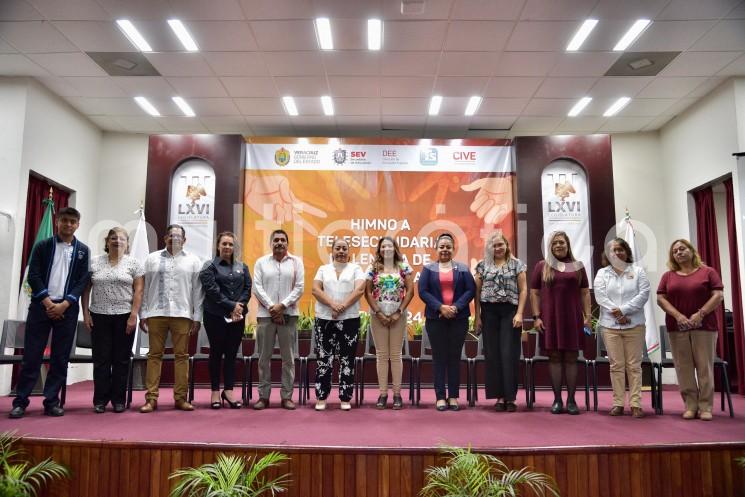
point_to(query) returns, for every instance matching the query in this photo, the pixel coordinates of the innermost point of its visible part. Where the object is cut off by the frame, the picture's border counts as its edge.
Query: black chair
(83, 340)
(719, 364)
(479, 358)
(369, 355)
(425, 355)
(13, 335)
(138, 356)
(277, 357)
(601, 357)
(202, 354)
(540, 358)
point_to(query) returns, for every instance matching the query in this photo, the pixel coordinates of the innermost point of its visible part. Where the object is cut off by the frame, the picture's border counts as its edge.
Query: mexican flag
(46, 230)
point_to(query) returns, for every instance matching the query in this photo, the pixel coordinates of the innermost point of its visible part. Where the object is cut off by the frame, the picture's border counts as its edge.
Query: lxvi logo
(194, 209)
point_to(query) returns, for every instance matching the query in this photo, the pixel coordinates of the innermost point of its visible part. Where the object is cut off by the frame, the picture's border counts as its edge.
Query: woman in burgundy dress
(560, 297)
(689, 294)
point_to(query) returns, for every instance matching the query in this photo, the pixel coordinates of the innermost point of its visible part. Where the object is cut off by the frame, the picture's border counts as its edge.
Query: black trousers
(502, 346)
(225, 338)
(447, 337)
(336, 338)
(112, 347)
(38, 326)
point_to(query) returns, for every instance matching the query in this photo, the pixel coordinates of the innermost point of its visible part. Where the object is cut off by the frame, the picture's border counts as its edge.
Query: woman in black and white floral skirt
(337, 288)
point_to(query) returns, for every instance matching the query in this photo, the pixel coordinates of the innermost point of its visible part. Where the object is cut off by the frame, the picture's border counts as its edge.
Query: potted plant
(231, 476)
(364, 325)
(467, 474)
(17, 477)
(415, 328)
(305, 323)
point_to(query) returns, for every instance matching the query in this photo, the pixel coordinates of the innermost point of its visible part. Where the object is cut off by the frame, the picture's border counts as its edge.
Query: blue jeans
(38, 326)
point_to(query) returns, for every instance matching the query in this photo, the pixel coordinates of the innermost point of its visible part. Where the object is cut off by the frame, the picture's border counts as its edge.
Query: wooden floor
(123, 469)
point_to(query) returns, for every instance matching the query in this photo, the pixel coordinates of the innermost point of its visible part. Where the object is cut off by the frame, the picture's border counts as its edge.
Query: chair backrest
(13, 335)
(369, 343)
(664, 341)
(600, 349)
(203, 341)
(83, 337)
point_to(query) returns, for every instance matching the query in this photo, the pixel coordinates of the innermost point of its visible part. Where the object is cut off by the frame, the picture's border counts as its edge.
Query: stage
(367, 452)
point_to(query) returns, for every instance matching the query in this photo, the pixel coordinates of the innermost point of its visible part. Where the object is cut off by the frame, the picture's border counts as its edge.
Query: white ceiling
(255, 51)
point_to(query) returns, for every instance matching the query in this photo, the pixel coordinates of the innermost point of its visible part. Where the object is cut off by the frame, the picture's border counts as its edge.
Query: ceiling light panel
(473, 105)
(147, 106)
(328, 105)
(434, 105)
(617, 106)
(323, 32)
(374, 34)
(183, 35)
(579, 106)
(581, 35)
(290, 106)
(632, 34)
(185, 107)
(133, 35)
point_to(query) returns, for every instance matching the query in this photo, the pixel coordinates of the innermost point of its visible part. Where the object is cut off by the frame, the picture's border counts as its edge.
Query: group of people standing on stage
(174, 292)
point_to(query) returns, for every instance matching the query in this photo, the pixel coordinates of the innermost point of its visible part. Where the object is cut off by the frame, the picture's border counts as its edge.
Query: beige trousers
(388, 342)
(158, 328)
(693, 356)
(625, 352)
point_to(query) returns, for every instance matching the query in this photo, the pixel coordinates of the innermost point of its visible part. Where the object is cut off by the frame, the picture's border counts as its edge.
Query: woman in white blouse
(337, 288)
(110, 306)
(621, 290)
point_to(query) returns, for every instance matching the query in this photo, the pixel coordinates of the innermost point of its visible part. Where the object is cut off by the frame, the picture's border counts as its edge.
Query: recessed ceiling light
(632, 34)
(374, 34)
(581, 35)
(434, 105)
(290, 106)
(617, 106)
(185, 107)
(579, 106)
(473, 105)
(183, 35)
(133, 35)
(328, 105)
(640, 63)
(147, 106)
(323, 31)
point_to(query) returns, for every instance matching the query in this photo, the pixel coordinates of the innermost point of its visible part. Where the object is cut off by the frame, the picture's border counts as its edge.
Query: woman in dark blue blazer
(447, 288)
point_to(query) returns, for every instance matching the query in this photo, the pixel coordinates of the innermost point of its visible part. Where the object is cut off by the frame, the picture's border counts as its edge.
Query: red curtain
(38, 190)
(735, 290)
(708, 247)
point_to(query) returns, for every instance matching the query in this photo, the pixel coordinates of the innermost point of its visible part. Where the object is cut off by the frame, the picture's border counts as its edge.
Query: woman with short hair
(447, 288)
(621, 290)
(111, 302)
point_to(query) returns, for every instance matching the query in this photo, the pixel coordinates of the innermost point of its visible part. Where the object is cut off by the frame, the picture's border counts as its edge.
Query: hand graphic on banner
(493, 201)
(273, 192)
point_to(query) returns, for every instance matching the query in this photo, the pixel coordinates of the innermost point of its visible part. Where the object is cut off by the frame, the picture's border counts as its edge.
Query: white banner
(351, 157)
(193, 206)
(566, 207)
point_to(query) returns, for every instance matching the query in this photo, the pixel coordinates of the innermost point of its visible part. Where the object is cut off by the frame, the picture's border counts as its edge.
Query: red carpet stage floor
(366, 427)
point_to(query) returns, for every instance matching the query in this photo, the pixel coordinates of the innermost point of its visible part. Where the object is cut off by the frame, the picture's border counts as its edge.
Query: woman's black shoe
(233, 405)
(382, 401)
(510, 406)
(441, 405)
(500, 406)
(557, 407)
(99, 408)
(572, 408)
(119, 408)
(398, 402)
